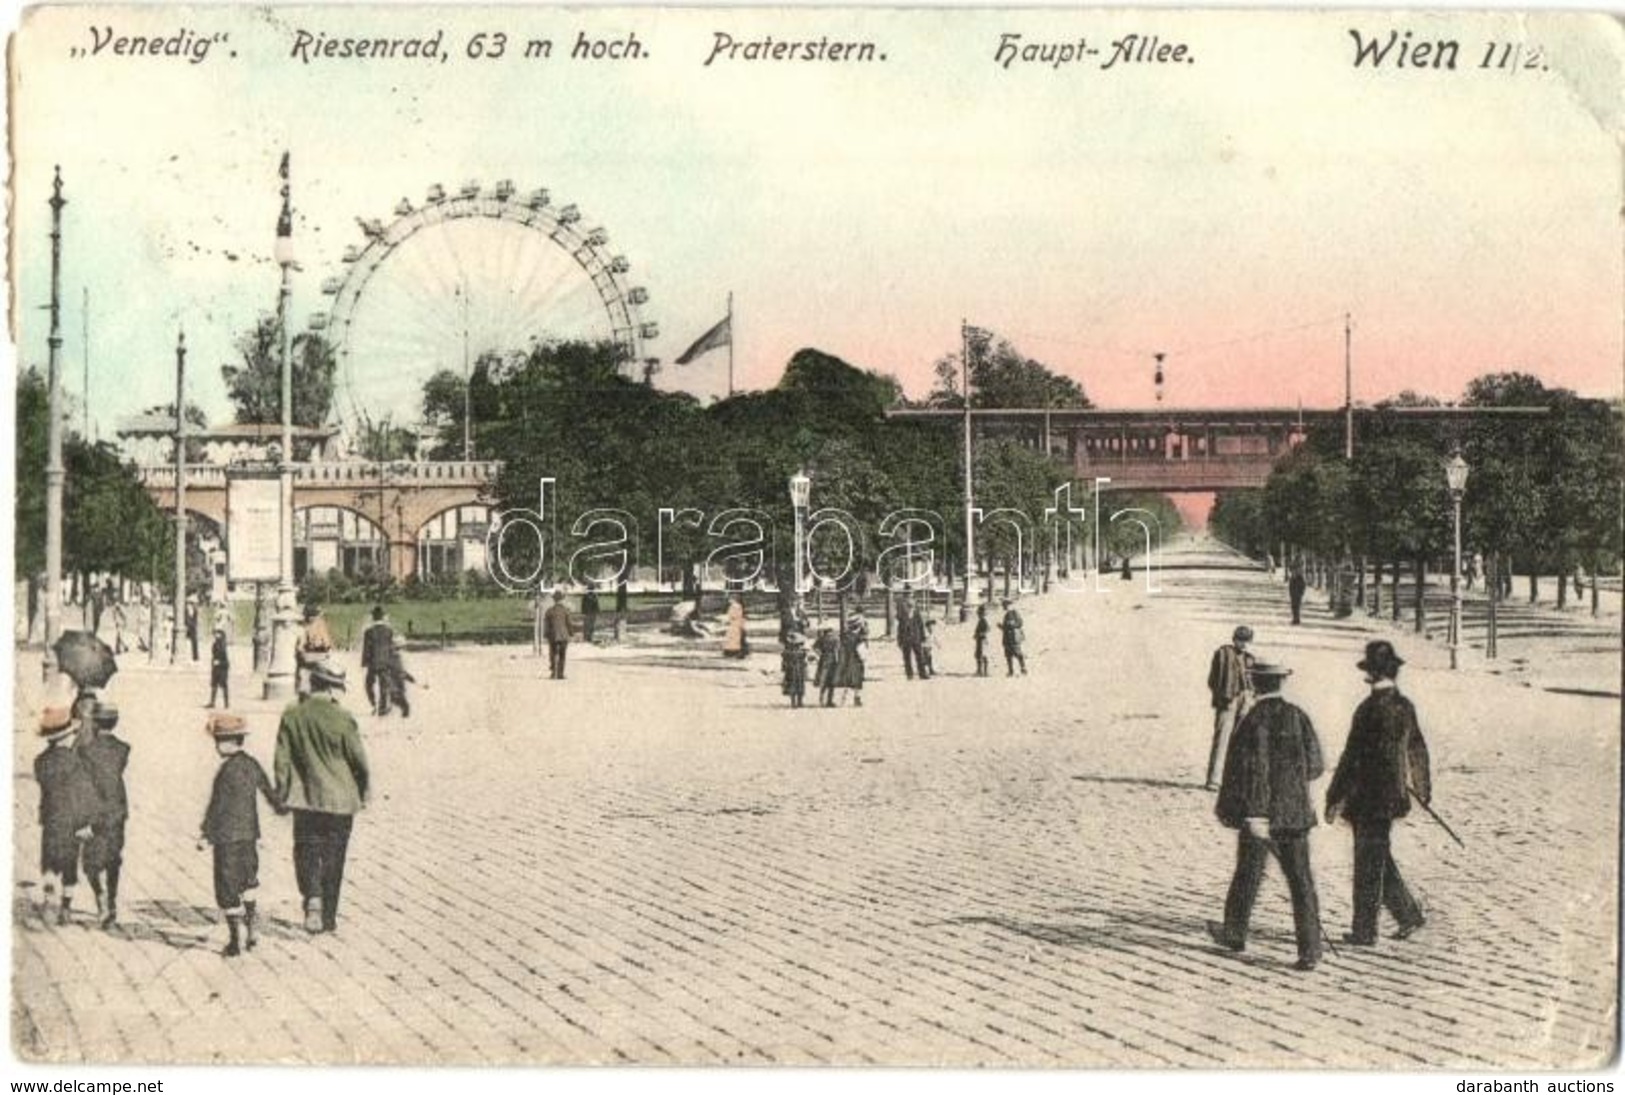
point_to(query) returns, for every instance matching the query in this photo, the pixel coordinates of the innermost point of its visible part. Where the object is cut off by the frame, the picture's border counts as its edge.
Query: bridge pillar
(403, 559)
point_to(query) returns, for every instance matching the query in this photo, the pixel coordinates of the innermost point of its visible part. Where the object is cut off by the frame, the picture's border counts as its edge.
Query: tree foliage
(110, 524)
(255, 386)
(1002, 376)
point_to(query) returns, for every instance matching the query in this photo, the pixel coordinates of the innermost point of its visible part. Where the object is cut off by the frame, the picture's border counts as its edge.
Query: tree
(255, 386)
(1002, 376)
(109, 523)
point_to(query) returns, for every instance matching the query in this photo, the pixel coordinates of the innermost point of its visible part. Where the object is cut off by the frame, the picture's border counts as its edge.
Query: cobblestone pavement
(657, 862)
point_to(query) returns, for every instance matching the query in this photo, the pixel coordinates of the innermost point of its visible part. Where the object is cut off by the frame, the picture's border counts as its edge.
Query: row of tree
(567, 411)
(1543, 493)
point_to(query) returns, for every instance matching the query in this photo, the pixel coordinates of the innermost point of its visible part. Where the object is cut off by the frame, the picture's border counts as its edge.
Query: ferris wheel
(462, 276)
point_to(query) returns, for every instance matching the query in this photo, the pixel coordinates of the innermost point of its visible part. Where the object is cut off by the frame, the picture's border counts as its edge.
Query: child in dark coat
(828, 649)
(106, 756)
(68, 804)
(795, 667)
(232, 826)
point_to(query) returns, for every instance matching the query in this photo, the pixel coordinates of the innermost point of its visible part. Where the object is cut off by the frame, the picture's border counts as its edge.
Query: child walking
(828, 649)
(795, 667)
(68, 804)
(983, 628)
(232, 826)
(106, 756)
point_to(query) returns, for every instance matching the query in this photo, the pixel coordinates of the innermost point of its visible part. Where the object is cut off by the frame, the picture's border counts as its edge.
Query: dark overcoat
(233, 812)
(1274, 754)
(1384, 755)
(1227, 674)
(67, 794)
(106, 758)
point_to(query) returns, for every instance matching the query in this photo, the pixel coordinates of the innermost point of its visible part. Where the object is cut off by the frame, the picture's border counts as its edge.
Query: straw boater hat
(224, 725)
(55, 722)
(1268, 671)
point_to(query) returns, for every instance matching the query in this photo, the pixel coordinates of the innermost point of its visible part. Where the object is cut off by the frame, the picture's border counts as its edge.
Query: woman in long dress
(854, 654)
(734, 644)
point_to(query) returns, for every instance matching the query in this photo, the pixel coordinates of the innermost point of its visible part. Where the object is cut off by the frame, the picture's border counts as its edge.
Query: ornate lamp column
(281, 677)
(1455, 474)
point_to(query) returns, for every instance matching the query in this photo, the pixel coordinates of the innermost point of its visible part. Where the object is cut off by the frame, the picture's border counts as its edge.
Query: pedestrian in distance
(1295, 588)
(929, 648)
(191, 619)
(589, 611)
(983, 629)
(231, 827)
(321, 774)
(556, 633)
(828, 649)
(793, 661)
(219, 665)
(377, 646)
(311, 648)
(68, 805)
(1273, 757)
(1014, 637)
(393, 682)
(1229, 684)
(851, 666)
(735, 643)
(1384, 764)
(911, 640)
(106, 756)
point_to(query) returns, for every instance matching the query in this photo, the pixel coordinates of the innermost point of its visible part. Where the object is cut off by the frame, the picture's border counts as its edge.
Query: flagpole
(730, 345)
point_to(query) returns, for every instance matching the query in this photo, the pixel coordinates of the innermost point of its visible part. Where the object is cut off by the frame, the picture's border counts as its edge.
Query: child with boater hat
(67, 805)
(105, 756)
(232, 826)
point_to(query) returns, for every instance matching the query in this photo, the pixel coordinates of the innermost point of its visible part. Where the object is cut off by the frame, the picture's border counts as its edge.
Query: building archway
(453, 541)
(329, 538)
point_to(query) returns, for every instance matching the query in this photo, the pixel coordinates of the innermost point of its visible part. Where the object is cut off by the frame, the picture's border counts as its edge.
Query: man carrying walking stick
(1384, 763)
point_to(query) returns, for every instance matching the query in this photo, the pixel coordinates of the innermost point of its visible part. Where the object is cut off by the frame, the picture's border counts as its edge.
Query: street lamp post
(800, 495)
(281, 677)
(1455, 474)
(55, 472)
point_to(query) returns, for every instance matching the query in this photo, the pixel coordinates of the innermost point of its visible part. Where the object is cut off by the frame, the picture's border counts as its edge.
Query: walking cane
(1430, 812)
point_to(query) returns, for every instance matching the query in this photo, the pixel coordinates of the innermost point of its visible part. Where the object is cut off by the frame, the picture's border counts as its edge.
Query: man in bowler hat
(321, 775)
(556, 630)
(1274, 756)
(1384, 763)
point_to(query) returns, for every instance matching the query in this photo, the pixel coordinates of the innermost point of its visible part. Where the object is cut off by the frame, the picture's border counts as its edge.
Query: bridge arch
(452, 540)
(328, 537)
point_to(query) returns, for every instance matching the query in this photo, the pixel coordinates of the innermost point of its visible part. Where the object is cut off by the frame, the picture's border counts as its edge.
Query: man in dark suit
(377, 644)
(1295, 587)
(1383, 764)
(1230, 686)
(911, 640)
(556, 631)
(1274, 756)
